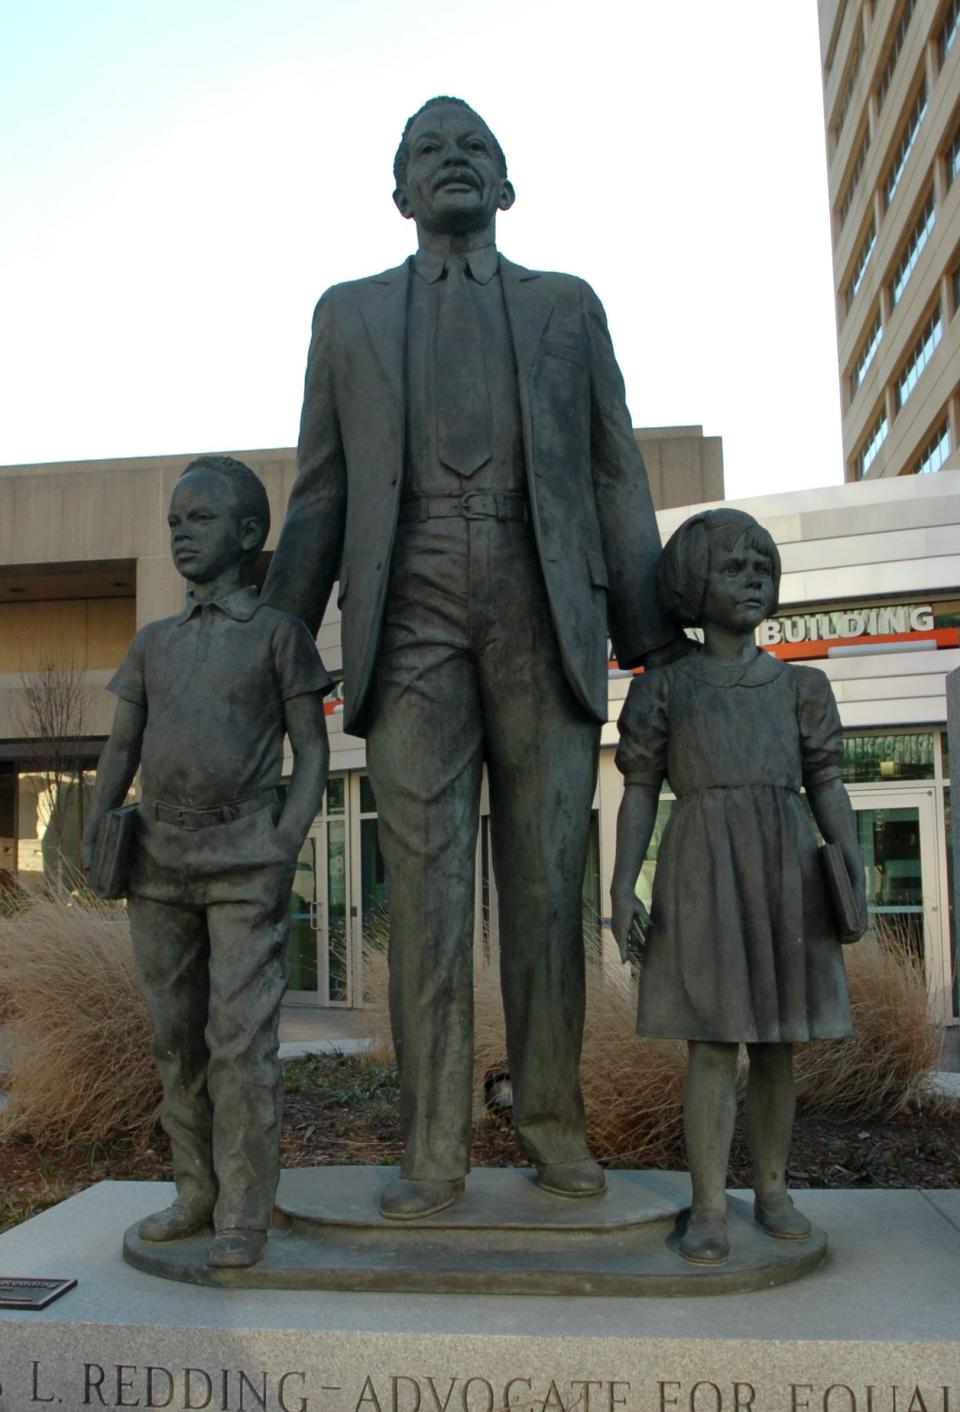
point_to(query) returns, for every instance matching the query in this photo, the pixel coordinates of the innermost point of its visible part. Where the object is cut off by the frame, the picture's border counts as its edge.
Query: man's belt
(221, 814)
(472, 505)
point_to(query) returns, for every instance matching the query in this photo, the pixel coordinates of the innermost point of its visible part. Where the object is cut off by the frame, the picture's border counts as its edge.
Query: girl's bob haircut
(685, 561)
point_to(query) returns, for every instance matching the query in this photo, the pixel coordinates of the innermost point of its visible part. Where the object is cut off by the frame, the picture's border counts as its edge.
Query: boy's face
(207, 534)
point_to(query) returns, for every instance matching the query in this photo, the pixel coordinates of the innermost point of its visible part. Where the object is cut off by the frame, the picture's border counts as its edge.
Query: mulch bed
(341, 1109)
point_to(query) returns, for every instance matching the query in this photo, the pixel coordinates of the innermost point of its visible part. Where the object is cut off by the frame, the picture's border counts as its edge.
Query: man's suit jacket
(590, 504)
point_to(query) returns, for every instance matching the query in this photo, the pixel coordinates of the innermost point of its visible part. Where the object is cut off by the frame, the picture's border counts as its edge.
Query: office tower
(891, 92)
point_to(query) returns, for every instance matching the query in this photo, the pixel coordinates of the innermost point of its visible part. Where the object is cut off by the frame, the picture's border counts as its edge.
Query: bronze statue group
(468, 475)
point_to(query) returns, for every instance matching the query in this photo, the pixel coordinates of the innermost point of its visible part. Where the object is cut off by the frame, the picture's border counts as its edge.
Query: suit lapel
(528, 311)
(384, 314)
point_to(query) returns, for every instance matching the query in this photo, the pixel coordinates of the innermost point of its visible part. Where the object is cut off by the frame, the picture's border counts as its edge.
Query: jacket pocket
(571, 352)
(598, 570)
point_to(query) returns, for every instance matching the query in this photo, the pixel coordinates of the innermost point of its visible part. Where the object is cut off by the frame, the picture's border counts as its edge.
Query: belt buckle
(469, 514)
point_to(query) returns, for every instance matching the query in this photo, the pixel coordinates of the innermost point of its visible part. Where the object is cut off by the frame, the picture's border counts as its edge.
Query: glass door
(321, 967)
(303, 981)
(902, 857)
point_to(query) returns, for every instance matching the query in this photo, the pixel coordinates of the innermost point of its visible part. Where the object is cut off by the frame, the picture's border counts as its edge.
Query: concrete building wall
(67, 529)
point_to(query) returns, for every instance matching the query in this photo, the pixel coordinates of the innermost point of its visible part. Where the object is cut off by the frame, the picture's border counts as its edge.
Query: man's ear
(507, 195)
(402, 203)
(250, 531)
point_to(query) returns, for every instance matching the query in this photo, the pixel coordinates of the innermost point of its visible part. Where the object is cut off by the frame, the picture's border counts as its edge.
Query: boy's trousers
(209, 920)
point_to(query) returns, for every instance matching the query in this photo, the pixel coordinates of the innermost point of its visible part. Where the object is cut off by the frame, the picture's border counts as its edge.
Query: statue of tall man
(467, 467)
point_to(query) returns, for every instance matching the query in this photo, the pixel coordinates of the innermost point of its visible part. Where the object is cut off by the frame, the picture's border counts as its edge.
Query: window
(948, 30)
(875, 439)
(904, 147)
(935, 452)
(953, 158)
(851, 80)
(893, 53)
(911, 252)
(863, 260)
(854, 178)
(865, 357)
(955, 282)
(867, 758)
(920, 356)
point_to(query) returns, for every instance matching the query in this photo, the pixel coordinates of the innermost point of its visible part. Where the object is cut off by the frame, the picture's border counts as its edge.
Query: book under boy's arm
(115, 770)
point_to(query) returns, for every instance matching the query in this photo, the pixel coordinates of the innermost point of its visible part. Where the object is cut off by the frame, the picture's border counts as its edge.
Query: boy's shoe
(174, 1222)
(704, 1242)
(405, 1199)
(236, 1249)
(778, 1216)
(583, 1178)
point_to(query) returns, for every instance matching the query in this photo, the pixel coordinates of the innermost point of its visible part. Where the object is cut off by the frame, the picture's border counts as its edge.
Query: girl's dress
(743, 945)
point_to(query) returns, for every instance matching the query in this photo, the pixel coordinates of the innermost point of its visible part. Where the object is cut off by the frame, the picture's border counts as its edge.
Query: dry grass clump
(76, 1040)
(633, 1087)
(883, 1068)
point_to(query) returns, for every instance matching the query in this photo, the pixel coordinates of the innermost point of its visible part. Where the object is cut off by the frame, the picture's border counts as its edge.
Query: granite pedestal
(875, 1329)
(503, 1236)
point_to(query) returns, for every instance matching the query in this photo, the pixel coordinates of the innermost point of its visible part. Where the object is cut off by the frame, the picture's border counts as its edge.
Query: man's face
(454, 183)
(207, 534)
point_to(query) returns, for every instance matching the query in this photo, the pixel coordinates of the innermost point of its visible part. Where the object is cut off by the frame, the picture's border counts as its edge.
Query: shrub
(77, 1037)
(633, 1087)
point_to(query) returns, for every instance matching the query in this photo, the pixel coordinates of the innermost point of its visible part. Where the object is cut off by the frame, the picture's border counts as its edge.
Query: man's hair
(685, 562)
(250, 497)
(442, 101)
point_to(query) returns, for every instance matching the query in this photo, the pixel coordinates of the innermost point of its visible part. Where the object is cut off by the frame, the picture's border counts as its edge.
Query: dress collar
(240, 604)
(763, 669)
(482, 264)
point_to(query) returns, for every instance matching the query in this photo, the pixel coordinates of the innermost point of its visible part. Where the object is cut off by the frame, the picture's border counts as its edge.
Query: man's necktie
(463, 401)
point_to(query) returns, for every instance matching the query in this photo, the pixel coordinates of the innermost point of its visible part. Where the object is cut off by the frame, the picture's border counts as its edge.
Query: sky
(181, 179)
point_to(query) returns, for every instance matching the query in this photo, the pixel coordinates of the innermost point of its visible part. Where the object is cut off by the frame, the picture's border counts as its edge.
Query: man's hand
(630, 923)
(670, 652)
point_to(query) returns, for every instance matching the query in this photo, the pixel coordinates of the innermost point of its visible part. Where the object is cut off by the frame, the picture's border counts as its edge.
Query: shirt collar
(483, 264)
(240, 604)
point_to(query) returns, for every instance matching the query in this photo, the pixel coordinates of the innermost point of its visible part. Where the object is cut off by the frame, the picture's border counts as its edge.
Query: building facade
(84, 562)
(891, 88)
(870, 593)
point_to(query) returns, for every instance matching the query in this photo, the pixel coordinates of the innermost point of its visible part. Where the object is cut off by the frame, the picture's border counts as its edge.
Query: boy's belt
(220, 814)
(472, 505)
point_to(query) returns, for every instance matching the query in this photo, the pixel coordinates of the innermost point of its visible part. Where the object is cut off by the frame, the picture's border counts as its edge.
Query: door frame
(933, 863)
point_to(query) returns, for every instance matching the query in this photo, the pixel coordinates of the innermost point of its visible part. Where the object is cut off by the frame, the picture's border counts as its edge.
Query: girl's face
(739, 587)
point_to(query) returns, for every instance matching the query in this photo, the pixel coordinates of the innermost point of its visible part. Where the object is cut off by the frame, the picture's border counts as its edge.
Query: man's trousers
(468, 672)
(209, 922)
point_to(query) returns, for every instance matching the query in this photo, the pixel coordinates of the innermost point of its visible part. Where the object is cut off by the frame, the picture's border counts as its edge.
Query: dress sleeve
(127, 681)
(642, 752)
(821, 735)
(296, 661)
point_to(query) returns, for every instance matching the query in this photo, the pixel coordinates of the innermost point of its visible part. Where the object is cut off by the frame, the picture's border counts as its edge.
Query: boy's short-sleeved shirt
(214, 679)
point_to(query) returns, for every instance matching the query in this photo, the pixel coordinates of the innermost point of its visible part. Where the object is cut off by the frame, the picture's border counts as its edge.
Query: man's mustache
(460, 177)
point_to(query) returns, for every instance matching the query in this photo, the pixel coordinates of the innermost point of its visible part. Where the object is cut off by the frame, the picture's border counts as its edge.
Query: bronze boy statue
(204, 700)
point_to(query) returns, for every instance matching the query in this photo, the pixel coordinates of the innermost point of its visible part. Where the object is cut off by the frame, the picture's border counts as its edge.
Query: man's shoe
(405, 1199)
(583, 1178)
(235, 1249)
(778, 1216)
(704, 1242)
(173, 1223)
